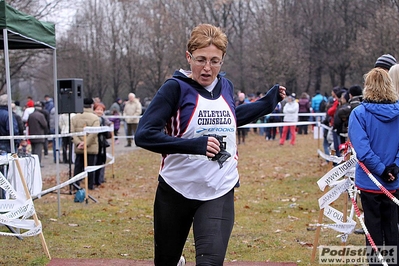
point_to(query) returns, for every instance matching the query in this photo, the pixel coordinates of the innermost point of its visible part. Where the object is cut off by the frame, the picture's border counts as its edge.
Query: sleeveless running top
(196, 176)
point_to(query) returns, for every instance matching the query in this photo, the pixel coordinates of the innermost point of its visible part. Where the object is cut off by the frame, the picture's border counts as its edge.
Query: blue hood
(383, 112)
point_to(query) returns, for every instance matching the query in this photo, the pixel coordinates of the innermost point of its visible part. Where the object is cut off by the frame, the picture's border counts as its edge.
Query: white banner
(335, 215)
(345, 228)
(16, 211)
(337, 172)
(334, 193)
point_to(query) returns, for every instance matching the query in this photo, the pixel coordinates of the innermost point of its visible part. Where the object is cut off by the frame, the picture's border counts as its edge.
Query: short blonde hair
(206, 34)
(378, 86)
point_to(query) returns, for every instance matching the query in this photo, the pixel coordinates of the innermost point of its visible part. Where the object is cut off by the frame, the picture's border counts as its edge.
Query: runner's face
(205, 75)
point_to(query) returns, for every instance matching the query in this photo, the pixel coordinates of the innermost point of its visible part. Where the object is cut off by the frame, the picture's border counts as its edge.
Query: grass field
(275, 204)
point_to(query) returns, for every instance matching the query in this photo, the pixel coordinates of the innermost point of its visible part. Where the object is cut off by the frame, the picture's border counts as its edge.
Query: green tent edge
(25, 31)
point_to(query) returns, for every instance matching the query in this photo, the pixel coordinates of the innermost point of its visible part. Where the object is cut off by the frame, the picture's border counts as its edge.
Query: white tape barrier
(329, 157)
(77, 177)
(15, 212)
(42, 136)
(84, 132)
(99, 129)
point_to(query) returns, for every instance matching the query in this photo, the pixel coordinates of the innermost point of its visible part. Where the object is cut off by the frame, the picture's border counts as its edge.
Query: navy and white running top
(196, 176)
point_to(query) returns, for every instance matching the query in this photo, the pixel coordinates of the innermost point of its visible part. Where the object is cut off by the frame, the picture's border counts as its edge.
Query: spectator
(47, 116)
(271, 132)
(385, 62)
(29, 108)
(78, 123)
(341, 117)
(64, 121)
(97, 100)
(304, 107)
(336, 94)
(355, 96)
(117, 122)
(241, 132)
(52, 130)
(290, 112)
(48, 103)
(21, 125)
(5, 145)
(37, 125)
(371, 126)
(18, 109)
(133, 110)
(99, 177)
(116, 106)
(318, 105)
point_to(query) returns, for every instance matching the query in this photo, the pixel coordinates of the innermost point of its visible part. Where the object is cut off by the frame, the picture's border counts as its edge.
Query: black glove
(223, 155)
(390, 169)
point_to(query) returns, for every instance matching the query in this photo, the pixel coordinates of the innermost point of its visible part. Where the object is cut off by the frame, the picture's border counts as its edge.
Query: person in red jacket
(336, 93)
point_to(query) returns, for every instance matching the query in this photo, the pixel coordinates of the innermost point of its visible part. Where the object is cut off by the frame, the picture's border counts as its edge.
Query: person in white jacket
(290, 111)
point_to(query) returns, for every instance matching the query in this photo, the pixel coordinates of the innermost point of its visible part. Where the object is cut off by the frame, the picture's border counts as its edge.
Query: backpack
(322, 106)
(80, 195)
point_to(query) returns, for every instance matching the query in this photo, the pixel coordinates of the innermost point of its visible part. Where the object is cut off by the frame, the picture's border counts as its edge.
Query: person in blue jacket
(5, 144)
(371, 125)
(192, 122)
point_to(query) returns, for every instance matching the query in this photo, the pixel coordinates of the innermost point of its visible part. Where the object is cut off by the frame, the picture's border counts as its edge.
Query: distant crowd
(336, 107)
(37, 118)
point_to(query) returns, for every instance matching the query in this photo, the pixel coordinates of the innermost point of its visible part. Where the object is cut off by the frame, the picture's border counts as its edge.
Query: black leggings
(381, 219)
(212, 225)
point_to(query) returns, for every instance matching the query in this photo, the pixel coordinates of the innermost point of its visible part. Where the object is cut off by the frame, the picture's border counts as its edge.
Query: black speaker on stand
(70, 100)
(70, 96)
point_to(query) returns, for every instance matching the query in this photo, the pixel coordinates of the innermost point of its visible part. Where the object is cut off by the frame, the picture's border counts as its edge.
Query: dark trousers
(381, 219)
(45, 147)
(131, 130)
(37, 148)
(99, 175)
(241, 133)
(66, 142)
(173, 216)
(271, 133)
(80, 167)
(303, 129)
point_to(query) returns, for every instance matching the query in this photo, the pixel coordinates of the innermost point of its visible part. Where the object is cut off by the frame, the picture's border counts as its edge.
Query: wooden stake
(28, 196)
(316, 239)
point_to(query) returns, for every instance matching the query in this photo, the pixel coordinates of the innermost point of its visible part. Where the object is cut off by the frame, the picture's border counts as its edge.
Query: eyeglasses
(201, 61)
